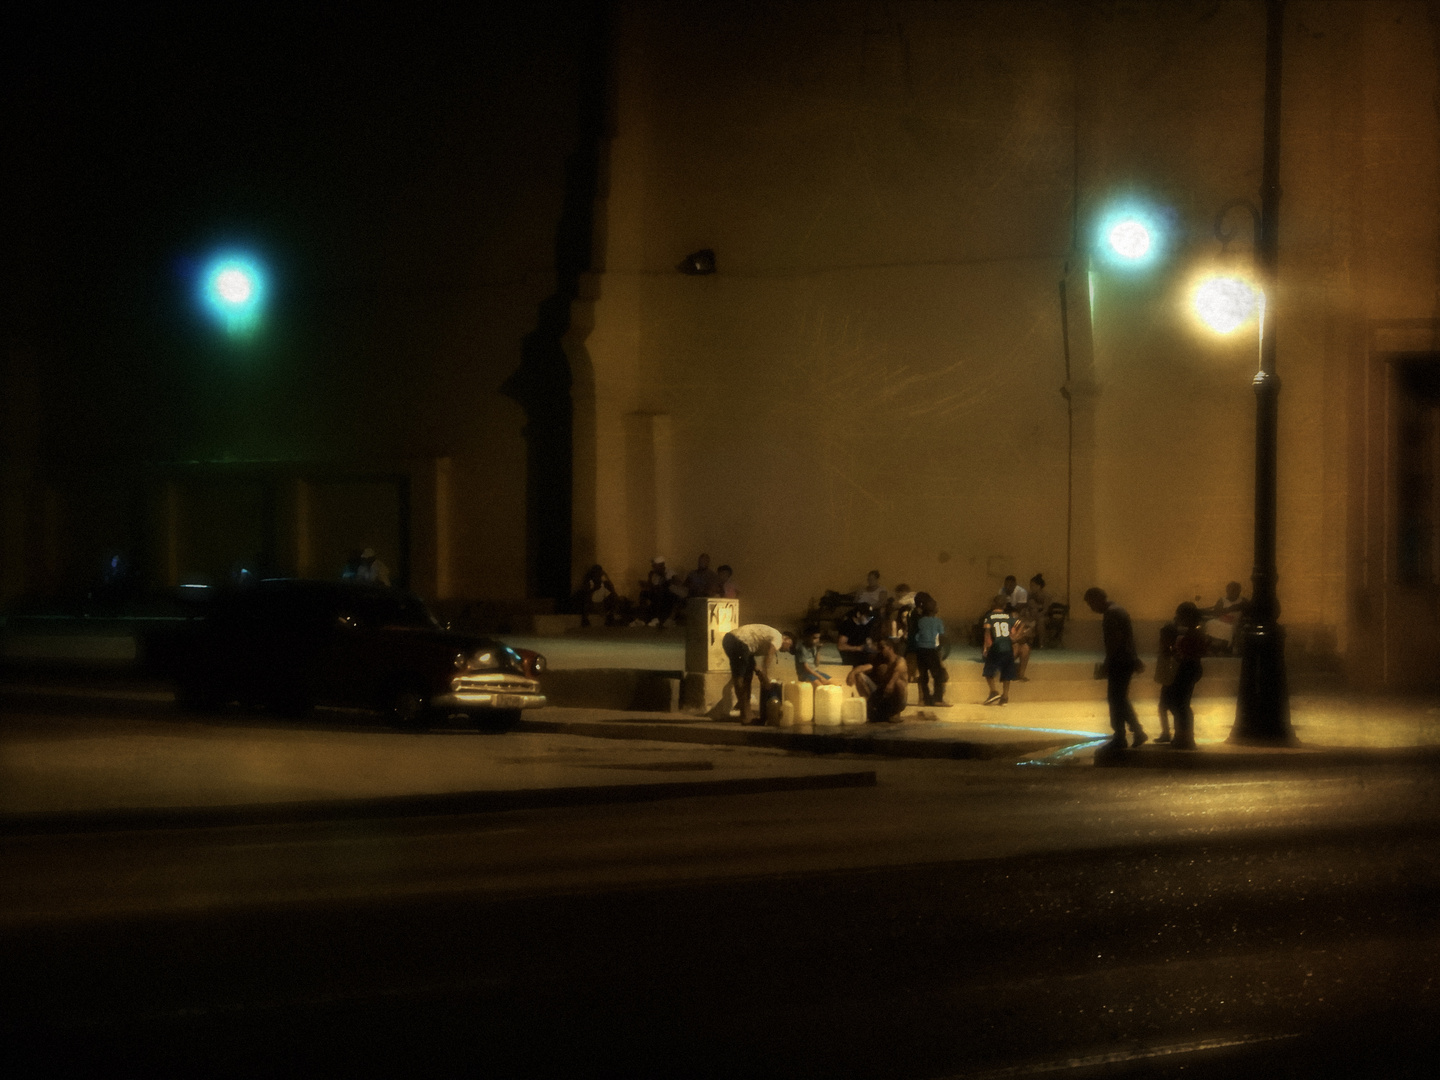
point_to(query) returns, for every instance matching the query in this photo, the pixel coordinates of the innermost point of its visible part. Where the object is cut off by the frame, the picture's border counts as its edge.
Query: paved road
(958, 919)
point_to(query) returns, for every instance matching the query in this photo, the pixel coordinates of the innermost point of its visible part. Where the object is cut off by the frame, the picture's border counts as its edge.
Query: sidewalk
(108, 754)
(130, 766)
(1333, 729)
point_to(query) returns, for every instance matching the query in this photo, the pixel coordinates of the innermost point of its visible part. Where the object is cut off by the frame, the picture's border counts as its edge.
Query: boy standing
(999, 652)
(929, 635)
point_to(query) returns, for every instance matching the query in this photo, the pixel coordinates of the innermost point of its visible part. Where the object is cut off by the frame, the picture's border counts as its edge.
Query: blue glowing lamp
(233, 289)
(1130, 238)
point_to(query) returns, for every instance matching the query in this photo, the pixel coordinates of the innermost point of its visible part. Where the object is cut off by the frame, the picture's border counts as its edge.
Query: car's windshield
(392, 608)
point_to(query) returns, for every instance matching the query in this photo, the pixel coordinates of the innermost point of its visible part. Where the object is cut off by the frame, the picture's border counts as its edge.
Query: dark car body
(291, 644)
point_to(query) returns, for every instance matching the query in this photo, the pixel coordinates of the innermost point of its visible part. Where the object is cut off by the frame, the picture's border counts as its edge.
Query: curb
(805, 742)
(405, 806)
(1237, 760)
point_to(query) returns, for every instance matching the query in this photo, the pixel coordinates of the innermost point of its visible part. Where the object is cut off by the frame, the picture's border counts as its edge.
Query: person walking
(751, 650)
(929, 637)
(1121, 663)
(999, 653)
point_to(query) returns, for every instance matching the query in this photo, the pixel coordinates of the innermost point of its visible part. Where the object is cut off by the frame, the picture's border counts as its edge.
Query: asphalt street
(958, 918)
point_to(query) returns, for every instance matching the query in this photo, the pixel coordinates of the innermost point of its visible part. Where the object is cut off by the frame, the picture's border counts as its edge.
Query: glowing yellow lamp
(1225, 304)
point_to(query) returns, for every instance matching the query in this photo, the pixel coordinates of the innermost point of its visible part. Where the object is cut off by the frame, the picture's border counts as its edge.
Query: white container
(827, 705)
(802, 696)
(852, 711)
(787, 714)
(804, 703)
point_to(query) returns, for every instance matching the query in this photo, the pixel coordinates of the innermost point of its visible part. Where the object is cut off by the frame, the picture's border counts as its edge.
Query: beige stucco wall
(895, 191)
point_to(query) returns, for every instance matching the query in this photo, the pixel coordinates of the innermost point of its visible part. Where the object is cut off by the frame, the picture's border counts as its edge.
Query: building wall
(895, 193)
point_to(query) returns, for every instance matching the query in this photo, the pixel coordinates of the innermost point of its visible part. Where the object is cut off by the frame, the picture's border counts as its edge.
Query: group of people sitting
(887, 641)
(661, 595)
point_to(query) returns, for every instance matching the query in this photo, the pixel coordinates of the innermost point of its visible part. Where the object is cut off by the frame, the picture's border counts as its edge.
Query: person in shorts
(883, 683)
(999, 651)
(751, 649)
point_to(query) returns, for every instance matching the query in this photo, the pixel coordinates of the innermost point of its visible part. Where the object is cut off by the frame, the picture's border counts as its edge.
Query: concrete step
(1141, 689)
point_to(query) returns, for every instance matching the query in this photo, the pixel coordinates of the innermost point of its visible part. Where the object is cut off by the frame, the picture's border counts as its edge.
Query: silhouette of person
(1190, 646)
(1121, 663)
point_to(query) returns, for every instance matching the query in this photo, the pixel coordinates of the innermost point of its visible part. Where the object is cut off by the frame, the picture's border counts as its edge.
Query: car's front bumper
(491, 691)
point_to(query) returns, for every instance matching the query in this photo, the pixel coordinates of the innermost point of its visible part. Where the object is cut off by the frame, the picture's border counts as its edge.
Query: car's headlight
(539, 664)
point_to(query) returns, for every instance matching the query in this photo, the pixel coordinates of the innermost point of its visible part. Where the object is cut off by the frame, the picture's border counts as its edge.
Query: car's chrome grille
(498, 683)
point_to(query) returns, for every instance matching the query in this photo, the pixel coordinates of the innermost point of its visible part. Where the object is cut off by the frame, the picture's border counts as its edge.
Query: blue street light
(1131, 236)
(233, 290)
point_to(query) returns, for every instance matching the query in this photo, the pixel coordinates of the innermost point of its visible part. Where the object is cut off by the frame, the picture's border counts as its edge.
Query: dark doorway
(1418, 469)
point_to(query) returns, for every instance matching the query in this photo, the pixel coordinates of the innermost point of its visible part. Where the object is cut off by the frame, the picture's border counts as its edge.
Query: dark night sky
(352, 149)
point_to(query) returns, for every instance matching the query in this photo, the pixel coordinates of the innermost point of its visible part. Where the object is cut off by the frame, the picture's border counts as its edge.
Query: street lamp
(1262, 706)
(233, 288)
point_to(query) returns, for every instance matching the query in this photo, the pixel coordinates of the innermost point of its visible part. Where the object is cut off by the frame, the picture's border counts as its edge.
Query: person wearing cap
(751, 649)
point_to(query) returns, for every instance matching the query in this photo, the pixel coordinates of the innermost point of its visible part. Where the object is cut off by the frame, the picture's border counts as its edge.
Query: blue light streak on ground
(1066, 753)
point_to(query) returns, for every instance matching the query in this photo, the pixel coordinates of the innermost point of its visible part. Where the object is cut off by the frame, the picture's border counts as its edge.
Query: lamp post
(1262, 707)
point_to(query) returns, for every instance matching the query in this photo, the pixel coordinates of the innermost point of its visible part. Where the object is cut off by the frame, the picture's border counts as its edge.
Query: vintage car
(288, 645)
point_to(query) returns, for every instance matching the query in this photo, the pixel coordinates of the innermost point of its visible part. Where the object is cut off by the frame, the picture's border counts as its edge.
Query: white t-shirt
(874, 597)
(1019, 596)
(758, 637)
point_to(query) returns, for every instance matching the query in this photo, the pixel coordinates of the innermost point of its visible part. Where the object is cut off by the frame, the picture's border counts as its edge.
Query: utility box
(707, 621)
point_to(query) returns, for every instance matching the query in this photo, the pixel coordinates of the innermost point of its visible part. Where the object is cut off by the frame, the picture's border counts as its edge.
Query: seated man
(702, 581)
(807, 656)
(856, 634)
(871, 593)
(882, 684)
(1223, 625)
(657, 594)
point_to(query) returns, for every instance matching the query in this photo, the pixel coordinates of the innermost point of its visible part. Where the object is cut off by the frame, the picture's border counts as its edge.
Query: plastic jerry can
(827, 705)
(802, 696)
(852, 711)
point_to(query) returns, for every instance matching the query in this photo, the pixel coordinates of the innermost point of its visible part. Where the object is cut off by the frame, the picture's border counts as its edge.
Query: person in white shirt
(872, 593)
(371, 569)
(746, 646)
(1016, 593)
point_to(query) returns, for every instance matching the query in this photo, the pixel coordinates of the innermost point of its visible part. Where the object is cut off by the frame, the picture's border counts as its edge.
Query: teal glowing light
(1131, 237)
(233, 289)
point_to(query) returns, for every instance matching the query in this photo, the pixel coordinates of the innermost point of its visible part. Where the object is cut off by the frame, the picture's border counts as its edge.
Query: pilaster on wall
(649, 479)
(1080, 392)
